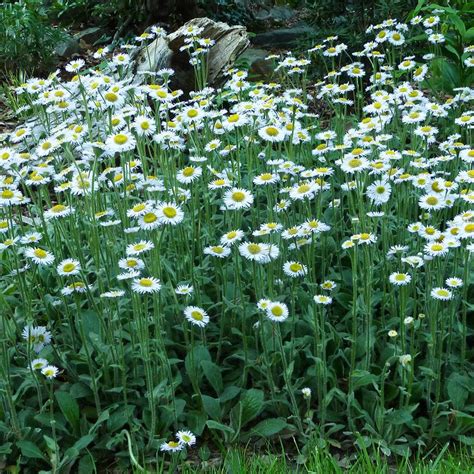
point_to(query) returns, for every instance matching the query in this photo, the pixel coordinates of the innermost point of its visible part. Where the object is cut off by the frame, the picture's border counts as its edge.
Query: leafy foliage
(27, 39)
(335, 312)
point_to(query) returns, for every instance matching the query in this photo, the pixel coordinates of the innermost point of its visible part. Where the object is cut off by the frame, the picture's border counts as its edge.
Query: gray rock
(283, 37)
(67, 47)
(276, 14)
(254, 59)
(230, 42)
(89, 35)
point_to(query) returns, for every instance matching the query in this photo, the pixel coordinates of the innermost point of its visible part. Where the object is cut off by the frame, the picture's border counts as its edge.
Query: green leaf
(91, 323)
(213, 375)
(469, 440)
(469, 35)
(69, 408)
(30, 450)
(73, 452)
(458, 387)
(399, 417)
(193, 362)
(458, 23)
(269, 427)
(229, 393)
(212, 407)
(446, 75)
(251, 405)
(86, 465)
(361, 378)
(452, 50)
(214, 425)
(5, 448)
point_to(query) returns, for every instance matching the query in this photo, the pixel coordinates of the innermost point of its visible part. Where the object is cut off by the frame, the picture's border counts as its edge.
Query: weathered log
(163, 52)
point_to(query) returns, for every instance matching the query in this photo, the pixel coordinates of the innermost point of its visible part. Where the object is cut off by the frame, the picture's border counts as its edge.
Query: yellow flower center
(138, 207)
(238, 196)
(40, 253)
(150, 217)
(169, 212)
(432, 201)
(146, 282)
(271, 131)
(69, 267)
(188, 171)
(254, 249)
(7, 194)
(354, 163)
(296, 267)
(277, 311)
(198, 316)
(120, 139)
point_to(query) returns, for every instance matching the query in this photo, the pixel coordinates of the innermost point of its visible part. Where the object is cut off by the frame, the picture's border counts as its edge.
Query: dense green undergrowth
(185, 275)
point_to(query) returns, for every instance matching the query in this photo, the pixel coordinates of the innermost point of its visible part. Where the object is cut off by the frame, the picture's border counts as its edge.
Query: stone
(275, 14)
(89, 35)
(254, 59)
(67, 47)
(230, 42)
(283, 37)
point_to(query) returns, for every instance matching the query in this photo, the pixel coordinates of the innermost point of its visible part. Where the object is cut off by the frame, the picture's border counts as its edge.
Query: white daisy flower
(146, 285)
(196, 316)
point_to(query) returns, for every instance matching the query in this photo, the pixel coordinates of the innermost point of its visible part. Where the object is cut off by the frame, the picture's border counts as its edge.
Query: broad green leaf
(458, 387)
(360, 378)
(229, 393)
(86, 465)
(90, 321)
(5, 448)
(213, 375)
(214, 425)
(30, 450)
(458, 23)
(399, 417)
(269, 427)
(69, 408)
(212, 407)
(193, 362)
(469, 440)
(469, 35)
(251, 405)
